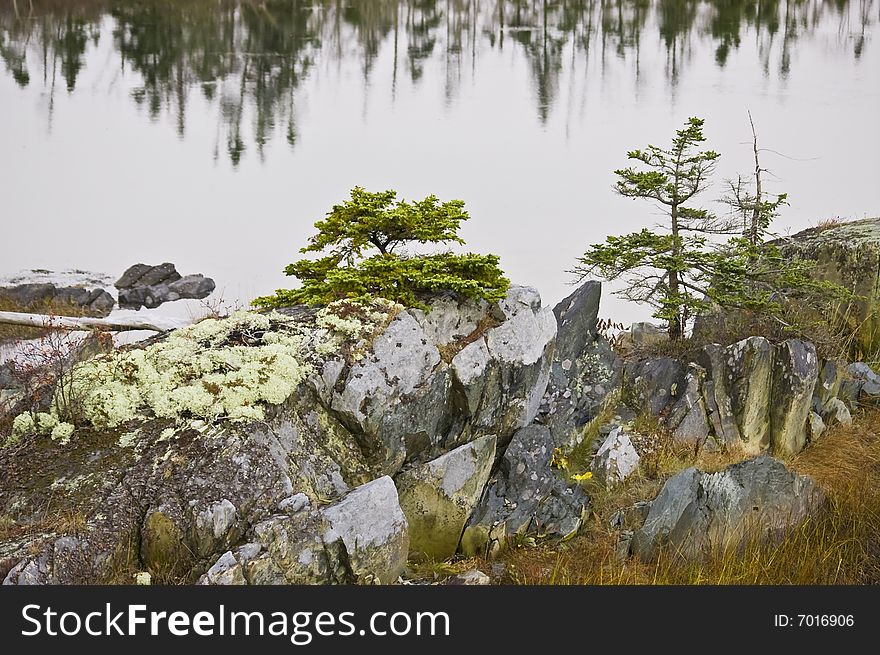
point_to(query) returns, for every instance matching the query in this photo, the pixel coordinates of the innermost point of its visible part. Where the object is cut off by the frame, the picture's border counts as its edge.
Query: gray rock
(401, 366)
(371, 524)
(687, 419)
(151, 286)
(749, 369)
(653, 384)
(439, 497)
(616, 458)
(451, 319)
(132, 275)
(831, 375)
(648, 333)
(717, 394)
(469, 578)
(526, 496)
(192, 286)
(835, 412)
(362, 539)
(583, 369)
(795, 371)
(576, 319)
(815, 426)
(34, 296)
(144, 275)
(859, 384)
(504, 380)
(697, 513)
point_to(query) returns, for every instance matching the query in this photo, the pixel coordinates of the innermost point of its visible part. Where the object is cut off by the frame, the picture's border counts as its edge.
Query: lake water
(214, 133)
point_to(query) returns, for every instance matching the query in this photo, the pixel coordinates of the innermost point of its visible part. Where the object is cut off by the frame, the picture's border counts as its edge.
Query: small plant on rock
(363, 241)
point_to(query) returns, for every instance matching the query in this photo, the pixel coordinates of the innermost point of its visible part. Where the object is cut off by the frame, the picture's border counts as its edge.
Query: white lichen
(62, 432)
(229, 368)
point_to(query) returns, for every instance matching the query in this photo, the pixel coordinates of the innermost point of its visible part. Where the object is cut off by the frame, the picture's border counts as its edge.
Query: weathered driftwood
(119, 324)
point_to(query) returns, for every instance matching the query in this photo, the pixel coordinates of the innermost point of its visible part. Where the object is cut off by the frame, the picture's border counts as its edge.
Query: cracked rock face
(526, 496)
(697, 513)
(439, 497)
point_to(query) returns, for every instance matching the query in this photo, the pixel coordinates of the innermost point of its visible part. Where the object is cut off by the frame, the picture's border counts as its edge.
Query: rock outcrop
(847, 254)
(420, 433)
(751, 394)
(285, 499)
(46, 296)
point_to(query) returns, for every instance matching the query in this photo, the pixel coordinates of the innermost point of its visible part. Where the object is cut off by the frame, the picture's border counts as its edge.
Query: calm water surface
(214, 133)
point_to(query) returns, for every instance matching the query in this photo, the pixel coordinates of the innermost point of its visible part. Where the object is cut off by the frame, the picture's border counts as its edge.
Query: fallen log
(119, 324)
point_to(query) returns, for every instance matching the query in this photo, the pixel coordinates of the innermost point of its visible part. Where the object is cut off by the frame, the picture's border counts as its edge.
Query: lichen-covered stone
(502, 376)
(653, 385)
(717, 394)
(687, 419)
(439, 497)
(795, 371)
(697, 513)
(526, 496)
(616, 458)
(749, 366)
(847, 254)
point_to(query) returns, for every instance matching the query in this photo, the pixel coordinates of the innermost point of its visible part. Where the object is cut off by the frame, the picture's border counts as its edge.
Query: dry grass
(841, 546)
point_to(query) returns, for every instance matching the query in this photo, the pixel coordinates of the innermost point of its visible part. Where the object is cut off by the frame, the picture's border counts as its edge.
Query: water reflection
(249, 58)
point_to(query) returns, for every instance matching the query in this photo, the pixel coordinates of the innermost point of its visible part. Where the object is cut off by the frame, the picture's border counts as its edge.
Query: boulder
(717, 394)
(526, 496)
(399, 393)
(795, 371)
(653, 385)
(688, 418)
(832, 373)
(859, 384)
(148, 286)
(749, 366)
(439, 497)
(835, 412)
(502, 375)
(583, 370)
(616, 458)
(697, 513)
(815, 426)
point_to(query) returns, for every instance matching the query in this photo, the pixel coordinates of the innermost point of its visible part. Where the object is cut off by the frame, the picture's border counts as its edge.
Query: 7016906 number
(825, 620)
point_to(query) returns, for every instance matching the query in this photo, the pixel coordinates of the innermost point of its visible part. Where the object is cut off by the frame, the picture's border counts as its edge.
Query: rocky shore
(448, 432)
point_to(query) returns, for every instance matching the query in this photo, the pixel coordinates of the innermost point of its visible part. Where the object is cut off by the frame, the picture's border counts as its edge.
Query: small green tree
(683, 271)
(670, 270)
(363, 240)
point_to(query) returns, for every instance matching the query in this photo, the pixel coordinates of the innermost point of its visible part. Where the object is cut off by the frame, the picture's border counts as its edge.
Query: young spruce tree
(685, 269)
(670, 270)
(363, 241)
